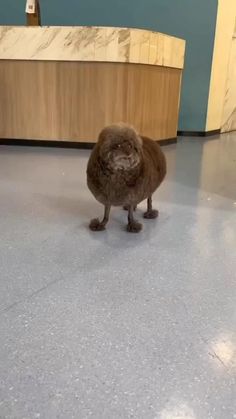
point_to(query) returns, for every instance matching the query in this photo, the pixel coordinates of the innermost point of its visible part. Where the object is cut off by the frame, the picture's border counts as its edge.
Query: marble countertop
(104, 44)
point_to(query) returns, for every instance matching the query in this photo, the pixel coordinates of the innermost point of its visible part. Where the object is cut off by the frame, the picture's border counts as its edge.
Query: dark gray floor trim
(64, 144)
(199, 133)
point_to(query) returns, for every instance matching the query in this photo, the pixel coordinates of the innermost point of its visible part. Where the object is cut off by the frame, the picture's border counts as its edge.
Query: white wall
(222, 48)
(229, 110)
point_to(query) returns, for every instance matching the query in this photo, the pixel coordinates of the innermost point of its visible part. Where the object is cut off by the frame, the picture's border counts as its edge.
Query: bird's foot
(151, 215)
(96, 225)
(134, 227)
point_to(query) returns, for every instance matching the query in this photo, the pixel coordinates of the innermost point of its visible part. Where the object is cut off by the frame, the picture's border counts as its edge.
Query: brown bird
(123, 170)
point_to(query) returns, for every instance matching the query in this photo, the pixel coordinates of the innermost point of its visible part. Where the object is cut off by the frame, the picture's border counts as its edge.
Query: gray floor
(111, 325)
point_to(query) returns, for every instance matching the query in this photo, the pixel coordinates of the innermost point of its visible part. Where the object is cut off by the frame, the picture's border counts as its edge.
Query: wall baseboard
(199, 133)
(46, 143)
(64, 144)
(168, 141)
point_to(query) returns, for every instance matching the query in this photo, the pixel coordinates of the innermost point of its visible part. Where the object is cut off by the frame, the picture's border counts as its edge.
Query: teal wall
(193, 20)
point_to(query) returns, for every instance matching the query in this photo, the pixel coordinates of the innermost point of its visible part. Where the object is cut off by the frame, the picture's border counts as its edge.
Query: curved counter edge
(99, 44)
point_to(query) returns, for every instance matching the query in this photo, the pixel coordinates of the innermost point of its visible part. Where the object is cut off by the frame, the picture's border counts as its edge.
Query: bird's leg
(151, 214)
(96, 225)
(133, 225)
(126, 207)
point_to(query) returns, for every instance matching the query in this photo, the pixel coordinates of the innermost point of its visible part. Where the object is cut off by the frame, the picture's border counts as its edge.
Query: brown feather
(124, 168)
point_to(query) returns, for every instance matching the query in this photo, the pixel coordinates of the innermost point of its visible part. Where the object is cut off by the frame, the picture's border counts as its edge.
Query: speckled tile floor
(111, 325)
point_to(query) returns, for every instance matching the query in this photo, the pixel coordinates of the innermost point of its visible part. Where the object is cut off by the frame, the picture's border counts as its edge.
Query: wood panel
(73, 101)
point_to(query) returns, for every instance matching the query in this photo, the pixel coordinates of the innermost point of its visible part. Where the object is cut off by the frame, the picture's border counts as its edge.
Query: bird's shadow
(65, 205)
(83, 209)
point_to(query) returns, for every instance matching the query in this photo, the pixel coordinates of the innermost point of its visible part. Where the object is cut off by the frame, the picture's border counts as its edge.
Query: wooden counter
(67, 83)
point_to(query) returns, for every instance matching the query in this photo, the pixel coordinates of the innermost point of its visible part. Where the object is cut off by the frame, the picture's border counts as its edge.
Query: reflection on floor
(112, 325)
